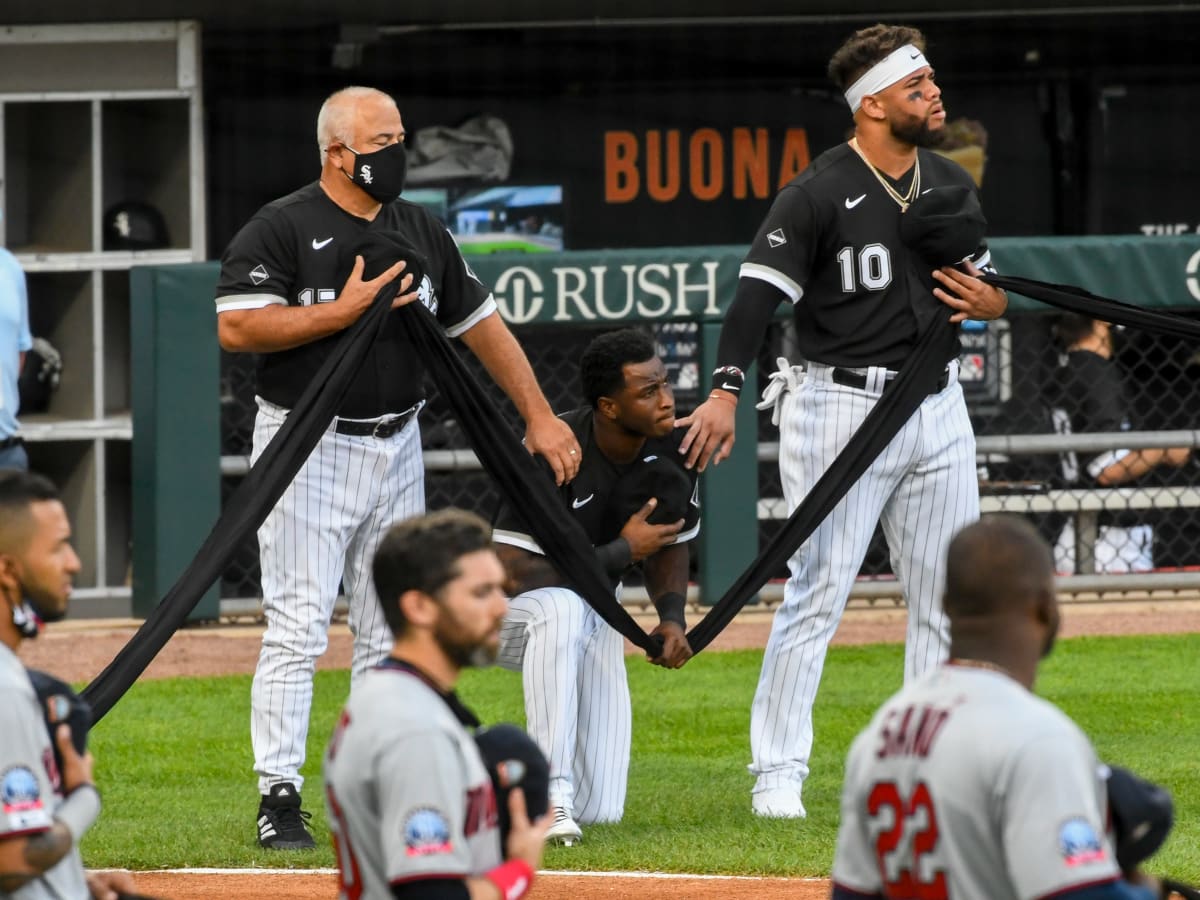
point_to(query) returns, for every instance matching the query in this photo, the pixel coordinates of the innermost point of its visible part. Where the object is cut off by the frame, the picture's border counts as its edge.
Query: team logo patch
(1078, 843)
(426, 833)
(21, 799)
(426, 295)
(258, 274)
(775, 238)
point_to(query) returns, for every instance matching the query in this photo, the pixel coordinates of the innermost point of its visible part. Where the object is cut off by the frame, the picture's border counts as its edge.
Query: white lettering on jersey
(427, 295)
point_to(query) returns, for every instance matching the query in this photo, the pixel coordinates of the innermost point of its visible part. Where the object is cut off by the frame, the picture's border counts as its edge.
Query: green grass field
(173, 759)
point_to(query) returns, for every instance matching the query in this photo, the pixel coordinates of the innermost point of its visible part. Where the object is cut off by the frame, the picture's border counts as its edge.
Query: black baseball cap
(944, 225)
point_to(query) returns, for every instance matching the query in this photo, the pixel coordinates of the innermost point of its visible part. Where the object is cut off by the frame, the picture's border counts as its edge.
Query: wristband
(729, 378)
(513, 878)
(615, 556)
(671, 607)
(79, 811)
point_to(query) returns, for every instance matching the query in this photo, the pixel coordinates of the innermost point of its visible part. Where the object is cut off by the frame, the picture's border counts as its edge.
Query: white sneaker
(565, 830)
(778, 803)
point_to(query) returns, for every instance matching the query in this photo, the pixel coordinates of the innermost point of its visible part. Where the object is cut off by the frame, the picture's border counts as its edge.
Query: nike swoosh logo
(850, 204)
(317, 245)
(726, 386)
(914, 55)
(575, 504)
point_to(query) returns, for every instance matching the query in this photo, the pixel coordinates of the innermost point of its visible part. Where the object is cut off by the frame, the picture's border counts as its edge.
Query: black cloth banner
(1077, 300)
(886, 419)
(518, 477)
(246, 508)
(524, 482)
(917, 379)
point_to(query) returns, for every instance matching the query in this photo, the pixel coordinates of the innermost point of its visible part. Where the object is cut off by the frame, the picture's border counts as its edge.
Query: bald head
(996, 566)
(336, 120)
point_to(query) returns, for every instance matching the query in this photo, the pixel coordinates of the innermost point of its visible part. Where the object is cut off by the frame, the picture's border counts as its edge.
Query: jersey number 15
(901, 872)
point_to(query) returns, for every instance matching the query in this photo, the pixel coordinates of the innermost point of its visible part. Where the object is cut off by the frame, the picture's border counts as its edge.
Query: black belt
(858, 380)
(384, 428)
(14, 441)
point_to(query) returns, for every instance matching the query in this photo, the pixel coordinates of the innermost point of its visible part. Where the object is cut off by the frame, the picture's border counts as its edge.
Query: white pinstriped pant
(923, 488)
(323, 531)
(577, 705)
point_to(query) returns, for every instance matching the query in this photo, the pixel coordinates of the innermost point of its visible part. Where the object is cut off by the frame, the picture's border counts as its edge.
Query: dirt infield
(77, 651)
(548, 886)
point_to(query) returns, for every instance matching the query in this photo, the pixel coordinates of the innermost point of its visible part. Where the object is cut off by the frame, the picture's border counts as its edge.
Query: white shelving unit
(91, 116)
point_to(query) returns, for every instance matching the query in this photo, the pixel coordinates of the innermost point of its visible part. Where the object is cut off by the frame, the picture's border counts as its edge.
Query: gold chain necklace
(903, 200)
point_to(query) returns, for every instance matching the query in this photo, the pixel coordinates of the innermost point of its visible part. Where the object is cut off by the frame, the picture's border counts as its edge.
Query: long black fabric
(526, 486)
(1077, 300)
(918, 378)
(896, 404)
(246, 509)
(521, 479)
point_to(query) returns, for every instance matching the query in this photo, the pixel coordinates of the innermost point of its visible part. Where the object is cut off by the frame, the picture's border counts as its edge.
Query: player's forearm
(744, 329)
(278, 327)
(496, 347)
(666, 574)
(27, 858)
(1137, 463)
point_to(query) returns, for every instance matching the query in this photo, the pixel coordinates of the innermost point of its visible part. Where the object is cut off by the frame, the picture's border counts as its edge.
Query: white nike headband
(896, 65)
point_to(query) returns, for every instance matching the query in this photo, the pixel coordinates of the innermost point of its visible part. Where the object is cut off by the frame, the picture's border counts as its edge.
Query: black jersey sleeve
(258, 267)
(783, 249)
(465, 299)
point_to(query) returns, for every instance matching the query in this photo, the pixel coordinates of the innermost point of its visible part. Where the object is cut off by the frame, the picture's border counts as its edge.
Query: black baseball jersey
(831, 242)
(590, 496)
(295, 251)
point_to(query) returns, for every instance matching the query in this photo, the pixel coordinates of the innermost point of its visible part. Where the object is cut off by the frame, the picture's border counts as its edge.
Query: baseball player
(284, 293)
(831, 247)
(1087, 394)
(965, 784)
(411, 805)
(637, 505)
(44, 810)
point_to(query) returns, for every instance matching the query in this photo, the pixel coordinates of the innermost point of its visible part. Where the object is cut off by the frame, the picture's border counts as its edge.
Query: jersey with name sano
(966, 785)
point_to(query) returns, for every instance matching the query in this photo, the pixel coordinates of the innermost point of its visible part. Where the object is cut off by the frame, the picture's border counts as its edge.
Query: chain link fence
(1115, 509)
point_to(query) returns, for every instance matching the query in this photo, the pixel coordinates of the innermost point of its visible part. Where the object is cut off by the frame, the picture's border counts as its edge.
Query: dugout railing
(555, 303)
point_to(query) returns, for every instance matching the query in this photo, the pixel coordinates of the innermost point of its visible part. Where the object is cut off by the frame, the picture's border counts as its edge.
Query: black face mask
(381, 173)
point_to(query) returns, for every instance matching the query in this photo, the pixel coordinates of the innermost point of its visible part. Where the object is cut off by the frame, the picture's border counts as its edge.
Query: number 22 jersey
(967, 786)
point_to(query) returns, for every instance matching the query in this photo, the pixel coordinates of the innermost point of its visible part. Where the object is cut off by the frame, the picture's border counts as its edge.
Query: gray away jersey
(966, 785)
(407, 793)
(30, 783)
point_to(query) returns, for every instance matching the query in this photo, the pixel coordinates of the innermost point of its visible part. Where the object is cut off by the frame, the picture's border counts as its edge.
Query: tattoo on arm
(40, 853)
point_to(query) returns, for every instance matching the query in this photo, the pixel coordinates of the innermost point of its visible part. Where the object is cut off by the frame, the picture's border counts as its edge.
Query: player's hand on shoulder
(969, 297)
(551, 437)
(357, 295)
(675, 649)
(710, 430)
(526, 839)
(645, 539)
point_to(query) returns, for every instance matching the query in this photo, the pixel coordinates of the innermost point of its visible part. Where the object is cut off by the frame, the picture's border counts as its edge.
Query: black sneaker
(282, 824)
